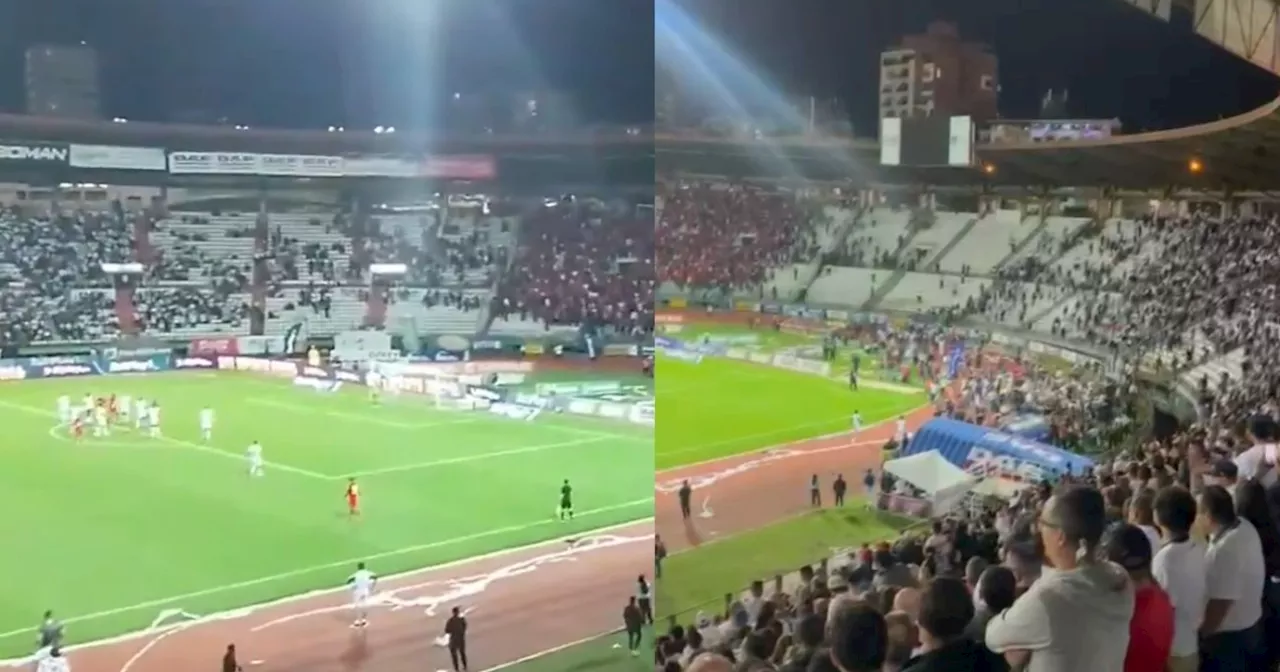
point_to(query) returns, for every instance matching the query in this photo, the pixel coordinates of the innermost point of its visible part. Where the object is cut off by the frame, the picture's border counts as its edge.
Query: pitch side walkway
(745, 492)
(519, 603)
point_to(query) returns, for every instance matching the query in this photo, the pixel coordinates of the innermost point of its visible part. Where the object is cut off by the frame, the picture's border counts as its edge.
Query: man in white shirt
(1259, 460)
(362, 582)
(1180, 568)
(1231, 632)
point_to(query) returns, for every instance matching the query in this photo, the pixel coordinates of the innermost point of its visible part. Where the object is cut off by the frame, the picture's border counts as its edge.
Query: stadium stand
(578, 263)
(575, 265)
(1192, 295)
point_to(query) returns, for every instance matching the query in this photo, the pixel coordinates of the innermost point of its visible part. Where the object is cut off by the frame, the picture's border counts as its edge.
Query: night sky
(1115, 61)
(313, 63)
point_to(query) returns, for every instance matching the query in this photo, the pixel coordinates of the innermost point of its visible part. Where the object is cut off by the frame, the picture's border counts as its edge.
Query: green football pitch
(723, 407)
(111, 531)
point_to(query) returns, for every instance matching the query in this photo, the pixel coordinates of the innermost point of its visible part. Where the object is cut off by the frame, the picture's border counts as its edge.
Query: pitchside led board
(927, 141)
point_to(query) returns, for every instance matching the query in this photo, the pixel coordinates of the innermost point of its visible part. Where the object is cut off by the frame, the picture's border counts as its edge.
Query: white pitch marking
(326, 567)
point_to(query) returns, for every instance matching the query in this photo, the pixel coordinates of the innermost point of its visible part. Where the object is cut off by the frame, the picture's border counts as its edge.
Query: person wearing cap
(1151, 628)
(1224, 473)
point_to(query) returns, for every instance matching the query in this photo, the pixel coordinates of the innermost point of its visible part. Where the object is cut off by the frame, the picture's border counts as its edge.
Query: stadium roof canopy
(1240, 153)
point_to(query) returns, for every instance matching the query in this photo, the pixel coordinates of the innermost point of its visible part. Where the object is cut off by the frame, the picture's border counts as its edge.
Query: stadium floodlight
(1194, 166)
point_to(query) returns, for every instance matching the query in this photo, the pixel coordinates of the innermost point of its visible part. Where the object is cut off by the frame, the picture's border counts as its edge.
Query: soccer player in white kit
(100, 428)
(153, 420)
(254, 455)
(140, 414)
(126, 408)
(64, 410)
(857, 422)
(206, 424)
(374, 381)
(363, 582)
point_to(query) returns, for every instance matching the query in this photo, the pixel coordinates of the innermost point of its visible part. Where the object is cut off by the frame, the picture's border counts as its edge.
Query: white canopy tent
(945, 484)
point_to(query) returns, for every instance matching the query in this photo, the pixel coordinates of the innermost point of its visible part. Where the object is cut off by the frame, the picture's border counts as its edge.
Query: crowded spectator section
(580, 264)
(245, 266)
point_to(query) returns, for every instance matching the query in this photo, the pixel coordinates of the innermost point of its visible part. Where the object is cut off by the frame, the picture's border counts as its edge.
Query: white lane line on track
(155, 604)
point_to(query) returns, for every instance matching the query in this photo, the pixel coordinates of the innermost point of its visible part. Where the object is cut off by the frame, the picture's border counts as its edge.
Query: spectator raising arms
(1076, 617)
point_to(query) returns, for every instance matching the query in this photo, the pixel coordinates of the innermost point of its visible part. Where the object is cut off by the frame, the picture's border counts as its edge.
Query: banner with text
(461, 167)
(33, 153)
(110, 157)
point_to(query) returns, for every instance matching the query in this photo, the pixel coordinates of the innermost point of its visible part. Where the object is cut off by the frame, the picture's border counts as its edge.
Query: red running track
(746, 492)
(520, 603)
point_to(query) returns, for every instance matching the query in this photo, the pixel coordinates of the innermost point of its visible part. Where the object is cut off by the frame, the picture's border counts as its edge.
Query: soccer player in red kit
(353, 498)
(113, 410)
(77, 426)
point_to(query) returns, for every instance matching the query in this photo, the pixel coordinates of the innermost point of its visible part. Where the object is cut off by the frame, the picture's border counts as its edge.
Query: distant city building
(62, 81)
(938, 73)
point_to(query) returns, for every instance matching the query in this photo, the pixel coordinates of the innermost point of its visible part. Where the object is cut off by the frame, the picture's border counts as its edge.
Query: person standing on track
(815, 492)
(229, 662)
(455, 629)
(633, 620)
(686, 496)
(644, 599)
(839, 487)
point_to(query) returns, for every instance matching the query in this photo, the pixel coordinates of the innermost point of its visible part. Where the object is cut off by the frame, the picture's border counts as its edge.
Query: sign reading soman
(33, 152)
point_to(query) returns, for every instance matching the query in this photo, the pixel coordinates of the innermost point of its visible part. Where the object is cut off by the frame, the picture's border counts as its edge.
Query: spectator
(1076, 618)
(996, 591)
(903, 637)
(1231, 634)
(1259, 460)
(1142, 515)
(806, 644)
(1223, 473)
(891, 572)
(1151, 629)
(857, 635)
(1180, 568)
(1251, 505)
(973, 570)
(946, 610)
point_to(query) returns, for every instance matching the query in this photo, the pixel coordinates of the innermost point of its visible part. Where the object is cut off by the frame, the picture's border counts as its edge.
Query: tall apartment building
(936, 72)
(62, 81)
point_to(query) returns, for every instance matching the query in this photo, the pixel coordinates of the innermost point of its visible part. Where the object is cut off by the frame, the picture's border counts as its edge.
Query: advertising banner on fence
(259, 345)
(213, 347)
(25, 368)
(462, 167)
(111, 157)
(34, 153)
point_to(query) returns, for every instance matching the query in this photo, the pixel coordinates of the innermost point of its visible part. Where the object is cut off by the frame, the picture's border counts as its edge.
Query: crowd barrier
(27, 368)
(485, 380)
(775, 582)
